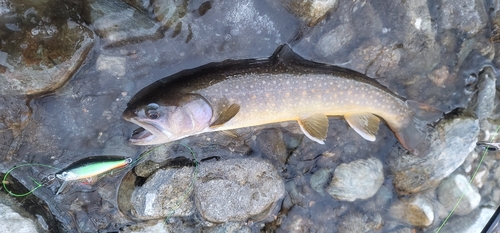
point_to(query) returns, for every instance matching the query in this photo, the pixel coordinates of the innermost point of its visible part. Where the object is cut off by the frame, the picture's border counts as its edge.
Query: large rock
(361, 173)
(311, 11)
(43, 50)
(417, 211)
(450, 143)
(237, 190)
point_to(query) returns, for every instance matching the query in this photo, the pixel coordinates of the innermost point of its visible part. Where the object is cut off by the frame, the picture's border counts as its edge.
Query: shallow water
(435, 64)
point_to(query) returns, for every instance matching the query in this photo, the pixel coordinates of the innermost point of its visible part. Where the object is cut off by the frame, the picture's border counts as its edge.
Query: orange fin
(365, 124)
(315, 127)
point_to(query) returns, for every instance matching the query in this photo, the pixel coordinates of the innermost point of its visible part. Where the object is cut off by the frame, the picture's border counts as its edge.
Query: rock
(311, 11)
(43, 50)
(450, 143)
(117, 23)
(230, 227)
(483, 101)
(334, 40)
(468, 16)
(165, 193)
(348, 178)
(417, 211)
(471, 223)
(319, 180)
(113, 66)
(355, 222)
(450, 190)
(237, 190)
(13, 222)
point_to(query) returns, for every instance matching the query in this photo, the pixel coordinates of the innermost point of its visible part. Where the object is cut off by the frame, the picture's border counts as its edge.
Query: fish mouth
(147, 134)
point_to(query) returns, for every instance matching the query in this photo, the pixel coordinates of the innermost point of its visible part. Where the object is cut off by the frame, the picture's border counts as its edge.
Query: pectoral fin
(315, 127)
(365, 124)
(226, 115)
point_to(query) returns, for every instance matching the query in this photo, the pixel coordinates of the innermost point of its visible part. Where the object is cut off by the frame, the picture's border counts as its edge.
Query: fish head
(165, 121)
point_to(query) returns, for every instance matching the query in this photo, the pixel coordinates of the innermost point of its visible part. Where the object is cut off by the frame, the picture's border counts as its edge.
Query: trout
(285, 87)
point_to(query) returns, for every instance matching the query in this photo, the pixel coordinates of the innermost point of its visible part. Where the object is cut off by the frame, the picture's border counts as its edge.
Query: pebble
(360, 179)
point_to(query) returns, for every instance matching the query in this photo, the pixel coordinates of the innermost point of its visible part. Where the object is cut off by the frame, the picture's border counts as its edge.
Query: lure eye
(152, 111)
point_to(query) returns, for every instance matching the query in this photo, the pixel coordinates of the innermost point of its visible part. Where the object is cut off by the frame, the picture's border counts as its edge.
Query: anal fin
(226, 115)
(315, 127)
(365, 124)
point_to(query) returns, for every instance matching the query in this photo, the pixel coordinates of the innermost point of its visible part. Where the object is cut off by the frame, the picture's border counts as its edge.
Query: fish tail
(413, 135)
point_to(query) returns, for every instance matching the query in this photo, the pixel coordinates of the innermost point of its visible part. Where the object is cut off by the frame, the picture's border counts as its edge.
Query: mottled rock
(311, 11)
(237, 189)
(348, 178)
(319, 180)
(334, 40)
(165, 193)
(450, 143)
(356, 222)
(484, 100)
(13, 222)
(418, 211)
(42, 49)
(468, 16)
(230, 227)
(451, 189)
(118, 23)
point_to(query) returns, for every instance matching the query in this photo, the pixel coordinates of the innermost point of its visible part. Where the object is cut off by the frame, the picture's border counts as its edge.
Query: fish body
(284, 88)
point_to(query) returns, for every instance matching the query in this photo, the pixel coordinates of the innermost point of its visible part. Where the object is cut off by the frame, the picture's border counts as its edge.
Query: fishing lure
(89, 168)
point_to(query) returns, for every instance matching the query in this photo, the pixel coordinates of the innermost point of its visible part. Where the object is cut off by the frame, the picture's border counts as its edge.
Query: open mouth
(140, 134)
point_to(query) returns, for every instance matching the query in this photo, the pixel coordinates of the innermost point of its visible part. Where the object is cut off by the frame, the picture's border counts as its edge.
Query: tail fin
(413, 136)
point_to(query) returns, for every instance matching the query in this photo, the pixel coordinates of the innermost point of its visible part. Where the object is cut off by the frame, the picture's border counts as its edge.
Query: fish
(286, 87)
(89, 168)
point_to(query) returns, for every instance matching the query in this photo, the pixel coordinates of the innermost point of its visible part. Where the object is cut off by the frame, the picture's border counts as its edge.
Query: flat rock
(237, 189)
(348, 178)
(311, 11)
(450, 143)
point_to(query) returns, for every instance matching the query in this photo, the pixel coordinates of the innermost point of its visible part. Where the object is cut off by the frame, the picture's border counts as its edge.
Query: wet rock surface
(452, 188)
(68, 69)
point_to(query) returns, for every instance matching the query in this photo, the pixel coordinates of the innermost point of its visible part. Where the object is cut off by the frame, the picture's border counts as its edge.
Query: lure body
(91, 167)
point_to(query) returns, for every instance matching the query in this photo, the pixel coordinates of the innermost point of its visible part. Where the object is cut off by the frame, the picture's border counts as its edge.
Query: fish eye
(152, 111)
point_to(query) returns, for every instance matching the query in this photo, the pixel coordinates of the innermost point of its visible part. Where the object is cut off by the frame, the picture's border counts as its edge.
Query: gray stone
(356, 222)
(13, 222)
(348, 178)
(319, 180)
(468, 16)
(165, 193)
(229, 227)
(418, 211)
(334, 40)
(451, 189)
(311, 11)
(118, 23)
(450, 143)
(483, 101)
(237, 190)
